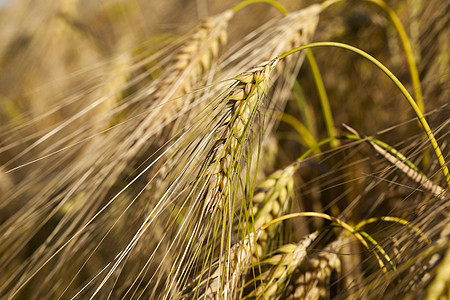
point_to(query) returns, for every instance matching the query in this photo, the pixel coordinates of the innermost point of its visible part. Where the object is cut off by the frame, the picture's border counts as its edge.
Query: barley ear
(271, 200)
(283, 265)
(401, 162)
(227, 276)
(242, 102)
(313, 278)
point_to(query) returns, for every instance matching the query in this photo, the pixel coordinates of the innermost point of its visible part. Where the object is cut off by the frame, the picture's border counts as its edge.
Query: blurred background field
(73, 72)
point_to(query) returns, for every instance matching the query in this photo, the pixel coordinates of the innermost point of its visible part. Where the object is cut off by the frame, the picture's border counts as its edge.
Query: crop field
(207, 149)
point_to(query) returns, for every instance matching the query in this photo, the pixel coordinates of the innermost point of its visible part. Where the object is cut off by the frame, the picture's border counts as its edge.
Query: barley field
(207, 149)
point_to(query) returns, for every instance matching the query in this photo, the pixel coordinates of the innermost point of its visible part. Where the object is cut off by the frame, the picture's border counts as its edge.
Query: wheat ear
(402, 163)
(282, 266)
(194, 58)
(278, 36)
(225, 280)
(242, 103)
(212, 186)
(312, 279)
(270, 201)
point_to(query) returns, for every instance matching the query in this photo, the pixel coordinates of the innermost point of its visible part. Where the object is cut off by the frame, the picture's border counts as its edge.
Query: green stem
(307, 138)
(323, 97)
(270, 2)
(395, 220)
(306, 113)
(356, 233)
(397, 82)
(315, 147)
(406, 43)
(328, 3)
